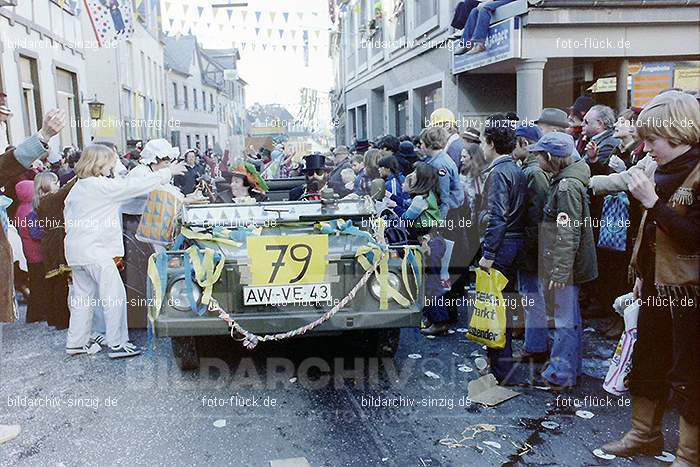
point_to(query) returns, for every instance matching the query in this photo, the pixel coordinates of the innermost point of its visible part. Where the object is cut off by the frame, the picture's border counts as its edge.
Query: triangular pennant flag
(185, 9)
(300, 15)
(269, 33)
(257, 32)
(243, 44)
(172, 20)
(281, 32)
(257, 16)
(284, 47)
(200, 10)
(272, 16)
(318, 33)
(286, 16)
(274, 48)
(294, 34)
(243, 15)
(229, 12)
(294, 47)
(264, 46)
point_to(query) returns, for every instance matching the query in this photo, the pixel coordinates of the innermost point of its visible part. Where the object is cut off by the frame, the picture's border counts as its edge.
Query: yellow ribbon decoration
(386, 291)
(205, 273)
(192, 235)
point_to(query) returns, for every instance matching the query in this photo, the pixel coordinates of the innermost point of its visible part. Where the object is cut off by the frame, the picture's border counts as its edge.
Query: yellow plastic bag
(488, 321)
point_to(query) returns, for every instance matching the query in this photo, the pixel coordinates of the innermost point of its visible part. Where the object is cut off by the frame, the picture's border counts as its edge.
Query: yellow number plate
(281, 259)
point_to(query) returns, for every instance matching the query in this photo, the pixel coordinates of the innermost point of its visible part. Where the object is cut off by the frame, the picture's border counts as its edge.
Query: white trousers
(97, 300)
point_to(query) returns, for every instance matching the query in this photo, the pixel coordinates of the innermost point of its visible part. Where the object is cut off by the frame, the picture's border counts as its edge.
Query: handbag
(613, 222)
(159, 219)
(487, 324)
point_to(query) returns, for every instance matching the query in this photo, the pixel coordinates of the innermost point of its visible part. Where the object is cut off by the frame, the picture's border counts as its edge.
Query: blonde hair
(372, 157)
(94, 159)
(673, 116)
(42, 186)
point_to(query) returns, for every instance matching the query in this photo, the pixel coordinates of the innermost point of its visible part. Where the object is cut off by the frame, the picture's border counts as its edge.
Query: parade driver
(316, 174)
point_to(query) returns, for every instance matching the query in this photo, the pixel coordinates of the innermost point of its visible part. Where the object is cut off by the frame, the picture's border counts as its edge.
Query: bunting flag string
(272, 31)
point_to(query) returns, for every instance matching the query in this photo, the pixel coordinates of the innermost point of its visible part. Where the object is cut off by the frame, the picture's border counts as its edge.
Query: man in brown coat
(12, 164)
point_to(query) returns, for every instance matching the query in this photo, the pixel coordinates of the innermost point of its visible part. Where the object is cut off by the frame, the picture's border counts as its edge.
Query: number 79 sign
(282, 259)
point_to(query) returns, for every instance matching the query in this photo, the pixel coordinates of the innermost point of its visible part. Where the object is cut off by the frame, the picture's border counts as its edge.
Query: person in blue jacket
(390, 171)
(432, 141)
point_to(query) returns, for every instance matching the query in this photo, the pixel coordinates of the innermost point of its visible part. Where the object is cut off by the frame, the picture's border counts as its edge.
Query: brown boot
(687, 453)
(645, 437)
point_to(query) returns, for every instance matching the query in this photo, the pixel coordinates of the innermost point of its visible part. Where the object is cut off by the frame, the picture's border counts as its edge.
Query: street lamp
(96, 107)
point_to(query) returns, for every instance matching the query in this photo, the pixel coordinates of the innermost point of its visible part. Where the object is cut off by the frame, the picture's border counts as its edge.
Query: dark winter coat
(568, 253)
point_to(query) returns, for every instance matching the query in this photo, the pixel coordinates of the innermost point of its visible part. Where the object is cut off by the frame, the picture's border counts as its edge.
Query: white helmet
(158, 148)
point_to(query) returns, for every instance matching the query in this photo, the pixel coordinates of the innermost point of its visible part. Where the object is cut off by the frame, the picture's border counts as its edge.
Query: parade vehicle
(276, 270)
(136, 254)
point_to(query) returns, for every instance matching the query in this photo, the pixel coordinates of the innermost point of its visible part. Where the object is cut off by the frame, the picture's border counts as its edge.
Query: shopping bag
(488, 321)
(616, 381)
(159, 219)
(613, 222)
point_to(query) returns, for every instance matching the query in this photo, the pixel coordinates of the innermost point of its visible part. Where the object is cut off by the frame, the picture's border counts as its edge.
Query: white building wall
(129, 80)
(42, 31)
(215, 126)
(185, 118)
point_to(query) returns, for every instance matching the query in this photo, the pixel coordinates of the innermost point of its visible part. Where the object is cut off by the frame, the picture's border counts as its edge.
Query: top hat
(314, 162)
(361, 145)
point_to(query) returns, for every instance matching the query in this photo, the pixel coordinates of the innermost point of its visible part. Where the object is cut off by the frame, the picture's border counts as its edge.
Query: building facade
(205, 95)
(129, 78)
(43, 66)
(395, 64)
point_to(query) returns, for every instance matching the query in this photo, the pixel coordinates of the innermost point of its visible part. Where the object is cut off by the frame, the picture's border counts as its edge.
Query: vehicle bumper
(176, 324)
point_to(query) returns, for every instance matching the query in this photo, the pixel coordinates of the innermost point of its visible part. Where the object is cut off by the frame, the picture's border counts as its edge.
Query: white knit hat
(158, 148)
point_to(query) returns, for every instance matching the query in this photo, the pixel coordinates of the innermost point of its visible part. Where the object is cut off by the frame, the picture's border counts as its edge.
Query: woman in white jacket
(93, 245)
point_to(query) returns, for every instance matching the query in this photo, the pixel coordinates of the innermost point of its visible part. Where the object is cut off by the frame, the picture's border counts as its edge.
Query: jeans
(462, 10)
(501, 360)
(565, 359)
(531, 288)
(477, 27)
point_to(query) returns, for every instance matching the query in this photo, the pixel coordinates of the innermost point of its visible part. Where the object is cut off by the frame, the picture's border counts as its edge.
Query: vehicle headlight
(178, 298)
(392, 278)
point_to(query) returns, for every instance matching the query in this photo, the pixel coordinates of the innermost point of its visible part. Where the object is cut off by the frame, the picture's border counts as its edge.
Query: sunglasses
(318, 172)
